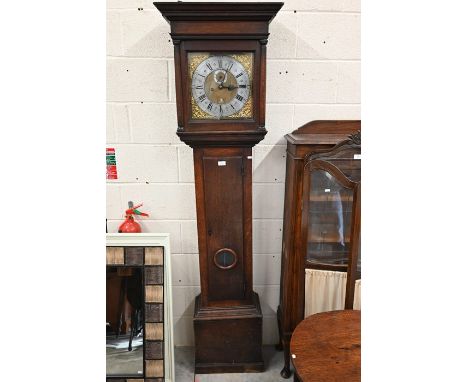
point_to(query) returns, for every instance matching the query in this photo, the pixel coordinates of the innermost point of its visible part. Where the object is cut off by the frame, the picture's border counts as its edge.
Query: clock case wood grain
(228, 317)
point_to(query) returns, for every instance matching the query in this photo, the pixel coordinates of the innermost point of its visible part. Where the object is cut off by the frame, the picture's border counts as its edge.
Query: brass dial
(220, 86)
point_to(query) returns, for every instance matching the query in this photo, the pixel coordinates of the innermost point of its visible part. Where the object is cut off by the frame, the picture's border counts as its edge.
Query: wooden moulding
(218, 11)
(154, 256)
(154, 368)
(115, 255)
(154, 331)
(154, 293)
(221, 138)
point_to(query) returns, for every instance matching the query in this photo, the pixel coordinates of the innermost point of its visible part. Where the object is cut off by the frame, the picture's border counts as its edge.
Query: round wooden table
(327, 347)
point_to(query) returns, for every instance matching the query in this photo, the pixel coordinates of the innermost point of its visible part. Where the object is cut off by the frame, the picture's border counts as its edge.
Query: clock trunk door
(223, 187)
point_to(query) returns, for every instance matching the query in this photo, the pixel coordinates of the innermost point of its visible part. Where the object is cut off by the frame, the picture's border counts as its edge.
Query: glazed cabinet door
(331, 214)
(330, 221)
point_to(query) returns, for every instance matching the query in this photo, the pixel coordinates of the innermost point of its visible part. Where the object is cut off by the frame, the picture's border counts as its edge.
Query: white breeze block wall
(313, 73)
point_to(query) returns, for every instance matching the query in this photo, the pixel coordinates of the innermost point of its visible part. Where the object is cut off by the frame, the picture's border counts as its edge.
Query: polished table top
(327, 347)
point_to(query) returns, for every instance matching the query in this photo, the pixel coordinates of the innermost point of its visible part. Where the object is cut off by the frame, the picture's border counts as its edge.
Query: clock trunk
(223, 186)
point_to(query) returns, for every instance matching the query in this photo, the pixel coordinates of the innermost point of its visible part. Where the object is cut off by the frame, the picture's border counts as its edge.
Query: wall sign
(111, 164)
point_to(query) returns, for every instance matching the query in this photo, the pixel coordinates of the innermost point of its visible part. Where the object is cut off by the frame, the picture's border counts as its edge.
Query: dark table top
(327, 347)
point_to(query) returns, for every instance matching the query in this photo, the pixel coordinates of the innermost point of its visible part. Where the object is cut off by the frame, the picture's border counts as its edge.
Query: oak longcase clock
(220, 75)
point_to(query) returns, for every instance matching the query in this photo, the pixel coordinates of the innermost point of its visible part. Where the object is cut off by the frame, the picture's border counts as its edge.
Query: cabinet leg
(279, 346)
(286, 372)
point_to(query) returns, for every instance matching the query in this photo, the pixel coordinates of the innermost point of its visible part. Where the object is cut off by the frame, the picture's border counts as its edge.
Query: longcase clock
(220, 75)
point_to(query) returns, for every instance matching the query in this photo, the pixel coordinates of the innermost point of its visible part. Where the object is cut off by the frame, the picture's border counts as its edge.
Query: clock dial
(221, 86)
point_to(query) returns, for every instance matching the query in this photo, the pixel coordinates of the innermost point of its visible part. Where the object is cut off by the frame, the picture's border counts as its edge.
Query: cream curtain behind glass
(326, 290)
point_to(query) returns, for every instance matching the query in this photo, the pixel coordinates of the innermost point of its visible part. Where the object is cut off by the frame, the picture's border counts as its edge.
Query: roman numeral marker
(229, 67)
(239, 97)
(242, 86)
(202, 97)
(240, 74)
(209, 66)
(210, 106)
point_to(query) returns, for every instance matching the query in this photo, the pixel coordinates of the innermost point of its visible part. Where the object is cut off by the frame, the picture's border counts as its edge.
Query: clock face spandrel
(221, 85)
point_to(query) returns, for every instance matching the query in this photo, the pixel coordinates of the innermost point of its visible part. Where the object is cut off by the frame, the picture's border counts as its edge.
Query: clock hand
(230, 87)
(218, 80)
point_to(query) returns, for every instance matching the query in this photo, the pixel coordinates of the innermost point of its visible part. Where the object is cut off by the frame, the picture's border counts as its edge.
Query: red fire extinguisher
(130, 225)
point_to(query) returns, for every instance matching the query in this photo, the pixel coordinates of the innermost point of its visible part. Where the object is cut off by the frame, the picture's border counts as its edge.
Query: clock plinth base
(228, 340)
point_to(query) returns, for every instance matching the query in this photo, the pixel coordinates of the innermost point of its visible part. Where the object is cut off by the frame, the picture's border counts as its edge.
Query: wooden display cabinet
(321, 227)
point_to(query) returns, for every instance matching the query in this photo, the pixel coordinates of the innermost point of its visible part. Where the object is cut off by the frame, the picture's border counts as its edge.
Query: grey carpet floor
(184, 367)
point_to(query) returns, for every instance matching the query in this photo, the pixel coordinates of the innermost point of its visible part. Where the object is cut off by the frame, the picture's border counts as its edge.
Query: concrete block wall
(313, 72)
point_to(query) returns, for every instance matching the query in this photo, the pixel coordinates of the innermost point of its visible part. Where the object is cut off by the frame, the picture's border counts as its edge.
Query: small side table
(327, 347)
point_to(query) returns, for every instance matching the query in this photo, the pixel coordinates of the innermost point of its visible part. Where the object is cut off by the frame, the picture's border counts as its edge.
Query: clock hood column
(221, 115)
